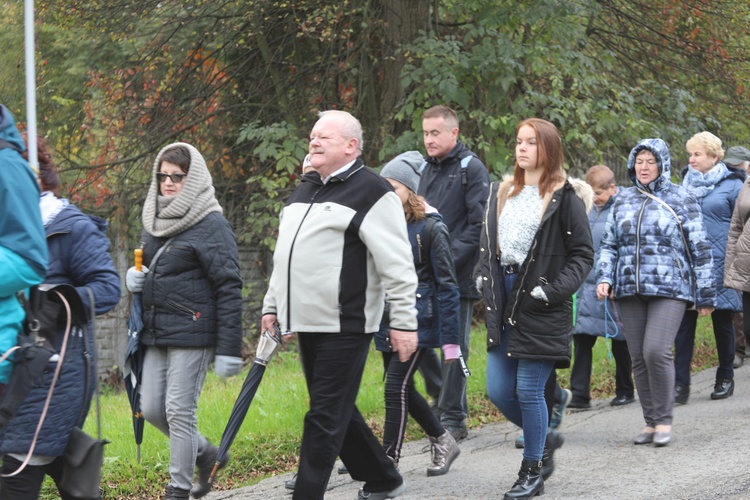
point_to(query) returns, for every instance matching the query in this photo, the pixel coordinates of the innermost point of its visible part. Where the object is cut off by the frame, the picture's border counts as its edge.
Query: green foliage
(513, 61)
(242, 81)
(276, 144)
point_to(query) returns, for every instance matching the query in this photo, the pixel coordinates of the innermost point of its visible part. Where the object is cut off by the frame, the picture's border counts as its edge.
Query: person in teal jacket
(23, 246)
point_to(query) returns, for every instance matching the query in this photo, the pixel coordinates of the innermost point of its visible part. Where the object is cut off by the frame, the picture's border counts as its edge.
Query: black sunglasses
(176, 178)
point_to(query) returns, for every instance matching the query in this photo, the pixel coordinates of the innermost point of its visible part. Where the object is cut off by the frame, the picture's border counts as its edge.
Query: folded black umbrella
(267, 346)
(133, 367)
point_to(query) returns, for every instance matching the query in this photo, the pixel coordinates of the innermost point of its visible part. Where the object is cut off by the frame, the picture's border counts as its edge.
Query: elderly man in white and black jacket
(342, 250)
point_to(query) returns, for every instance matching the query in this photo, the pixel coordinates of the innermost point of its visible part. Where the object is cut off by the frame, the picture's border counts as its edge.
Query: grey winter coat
(590, 317)
(737, 263)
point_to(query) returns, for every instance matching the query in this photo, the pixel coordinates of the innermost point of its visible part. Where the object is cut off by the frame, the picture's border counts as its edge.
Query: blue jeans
(516, 387)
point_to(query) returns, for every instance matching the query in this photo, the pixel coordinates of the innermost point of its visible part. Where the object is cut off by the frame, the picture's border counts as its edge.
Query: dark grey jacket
(460, 199)
(192, 297)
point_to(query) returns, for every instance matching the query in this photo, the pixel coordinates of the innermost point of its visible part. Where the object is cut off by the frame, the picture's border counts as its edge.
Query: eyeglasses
(175, 178)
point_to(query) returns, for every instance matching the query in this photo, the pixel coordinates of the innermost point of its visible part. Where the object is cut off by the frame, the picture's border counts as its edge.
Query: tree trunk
(402, 21)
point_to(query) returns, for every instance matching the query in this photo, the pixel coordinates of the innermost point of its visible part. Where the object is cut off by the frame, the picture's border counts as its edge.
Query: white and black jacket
(342, 251)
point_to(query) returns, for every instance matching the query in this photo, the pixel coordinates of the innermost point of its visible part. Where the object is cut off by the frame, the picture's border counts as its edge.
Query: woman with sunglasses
(192, 307)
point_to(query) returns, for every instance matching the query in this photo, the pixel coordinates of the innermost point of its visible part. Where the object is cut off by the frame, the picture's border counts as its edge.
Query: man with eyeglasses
(342, 249)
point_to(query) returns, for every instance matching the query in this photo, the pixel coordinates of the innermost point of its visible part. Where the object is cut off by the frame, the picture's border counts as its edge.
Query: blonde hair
(708, 141)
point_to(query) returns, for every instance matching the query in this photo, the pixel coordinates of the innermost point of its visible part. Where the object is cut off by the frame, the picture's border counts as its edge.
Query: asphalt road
(708, 458)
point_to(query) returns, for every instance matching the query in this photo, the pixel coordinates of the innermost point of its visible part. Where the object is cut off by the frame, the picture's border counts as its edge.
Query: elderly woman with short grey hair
(716, 188)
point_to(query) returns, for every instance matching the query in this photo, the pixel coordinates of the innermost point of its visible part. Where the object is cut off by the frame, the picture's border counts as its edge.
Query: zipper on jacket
(289, 262)
(194, 314)
(419, 248)
(638, 248)
(518, 292)
(491, 276)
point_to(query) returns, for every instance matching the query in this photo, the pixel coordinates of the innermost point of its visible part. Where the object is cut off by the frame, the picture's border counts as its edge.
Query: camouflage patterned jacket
(642, 251)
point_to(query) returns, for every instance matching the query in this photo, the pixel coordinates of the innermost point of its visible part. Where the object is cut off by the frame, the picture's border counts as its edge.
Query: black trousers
(26, 484)
(685, 341)
(580, 373)
(402, 399)
(432, 372)
(333, 364)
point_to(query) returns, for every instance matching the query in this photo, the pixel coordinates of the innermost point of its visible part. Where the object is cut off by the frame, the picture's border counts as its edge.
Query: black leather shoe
(723, 388)
(579, 405)
(622, 400)
(681, 394)
(291, 483)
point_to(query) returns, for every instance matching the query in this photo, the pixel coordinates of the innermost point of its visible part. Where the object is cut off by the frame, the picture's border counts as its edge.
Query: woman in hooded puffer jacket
(655, 260)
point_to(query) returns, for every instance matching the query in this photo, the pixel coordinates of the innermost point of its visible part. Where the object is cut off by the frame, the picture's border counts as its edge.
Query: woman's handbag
(84, 456)
(82, 465)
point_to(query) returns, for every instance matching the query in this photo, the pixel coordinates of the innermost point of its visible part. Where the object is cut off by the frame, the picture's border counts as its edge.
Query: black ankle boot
(681, 394)
(529, 483)
(554, 441)
(723, 388)
(172, 493)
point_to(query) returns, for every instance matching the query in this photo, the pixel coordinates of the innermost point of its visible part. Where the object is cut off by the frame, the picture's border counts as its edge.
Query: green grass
(269, 439)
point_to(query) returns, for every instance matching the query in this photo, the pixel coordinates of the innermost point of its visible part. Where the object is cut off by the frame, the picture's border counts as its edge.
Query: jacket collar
(315, 178)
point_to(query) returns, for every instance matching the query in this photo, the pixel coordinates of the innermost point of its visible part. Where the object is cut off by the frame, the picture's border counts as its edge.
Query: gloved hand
(451, 352)
(227, 366)
(539, 294)
(478, 283)
(135, 279)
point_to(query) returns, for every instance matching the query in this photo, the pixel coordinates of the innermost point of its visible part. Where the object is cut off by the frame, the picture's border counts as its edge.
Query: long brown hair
(414, 207)
(549, 156)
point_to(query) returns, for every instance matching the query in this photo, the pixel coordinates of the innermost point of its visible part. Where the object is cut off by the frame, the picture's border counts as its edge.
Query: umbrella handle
(138, 258)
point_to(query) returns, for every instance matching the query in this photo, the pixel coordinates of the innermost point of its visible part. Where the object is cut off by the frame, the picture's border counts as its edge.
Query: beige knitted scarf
(164, 217)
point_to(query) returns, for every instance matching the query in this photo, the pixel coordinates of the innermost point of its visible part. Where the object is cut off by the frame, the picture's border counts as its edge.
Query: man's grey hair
(350, 126)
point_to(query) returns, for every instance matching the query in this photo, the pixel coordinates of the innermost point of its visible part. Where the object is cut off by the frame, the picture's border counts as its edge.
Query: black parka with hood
(560, 257)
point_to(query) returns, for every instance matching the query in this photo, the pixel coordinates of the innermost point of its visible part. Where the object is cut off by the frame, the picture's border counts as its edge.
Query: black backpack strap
(6, 145)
